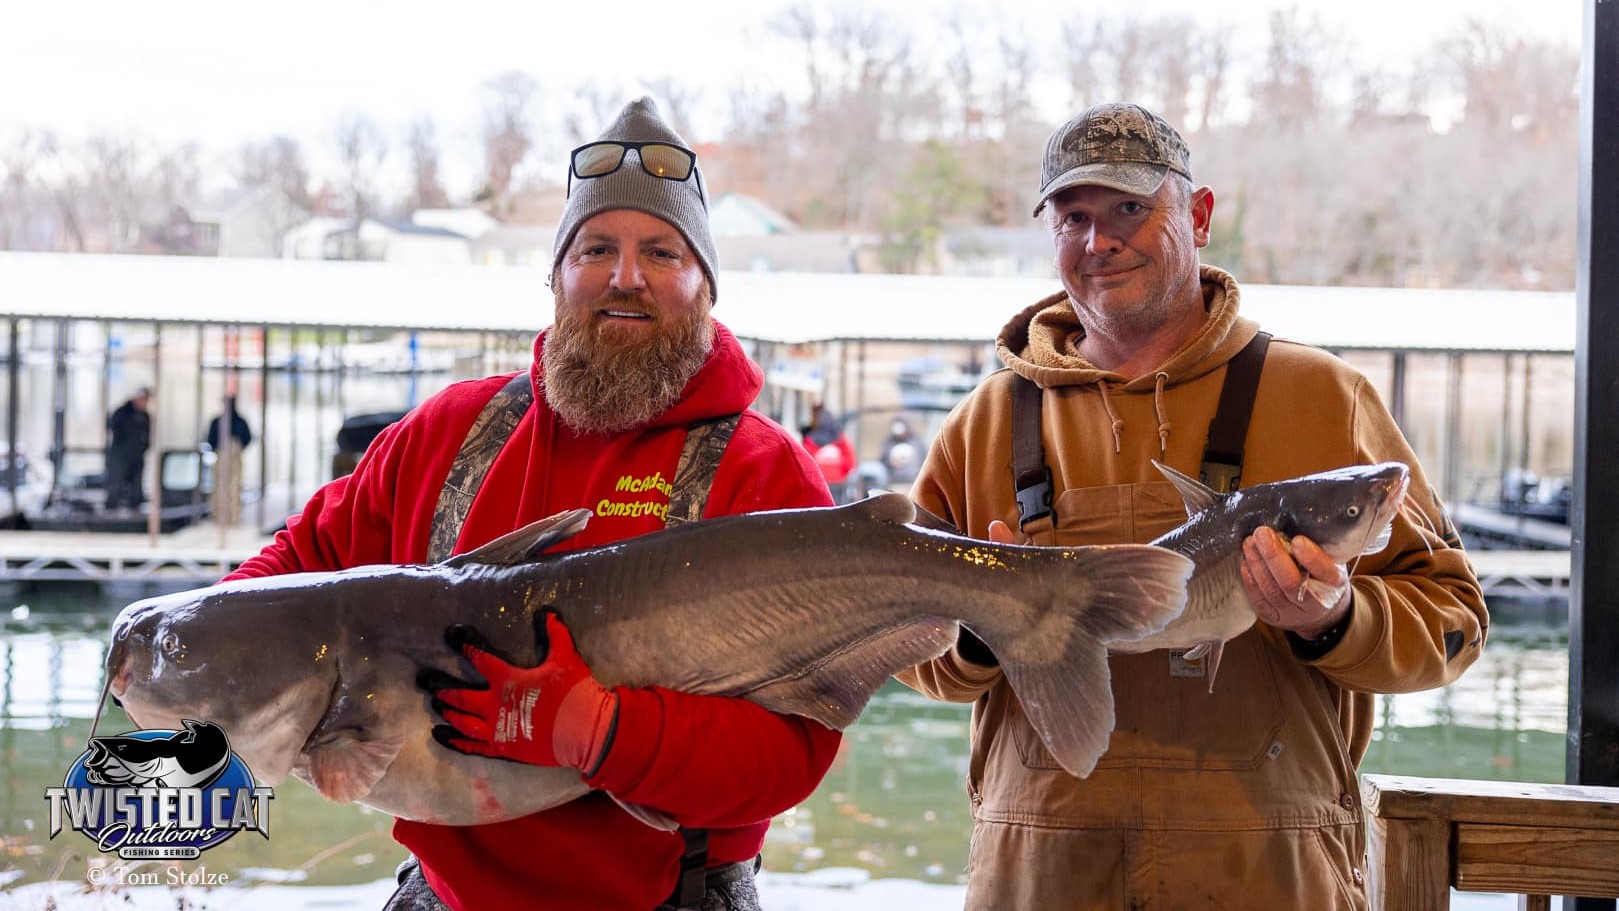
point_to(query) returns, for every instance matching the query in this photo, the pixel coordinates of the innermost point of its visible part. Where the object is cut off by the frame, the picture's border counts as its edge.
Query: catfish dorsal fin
(1198, 496)
(933, 521)
(886, 507)
(525, 543)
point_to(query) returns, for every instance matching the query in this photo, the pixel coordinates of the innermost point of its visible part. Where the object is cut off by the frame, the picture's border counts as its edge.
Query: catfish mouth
(1388, 491)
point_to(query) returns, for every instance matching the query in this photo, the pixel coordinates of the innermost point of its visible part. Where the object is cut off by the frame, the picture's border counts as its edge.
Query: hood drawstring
(1158, 410)
(1118, 423)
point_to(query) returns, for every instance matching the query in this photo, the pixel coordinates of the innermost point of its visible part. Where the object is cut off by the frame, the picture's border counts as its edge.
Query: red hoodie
(712, 762)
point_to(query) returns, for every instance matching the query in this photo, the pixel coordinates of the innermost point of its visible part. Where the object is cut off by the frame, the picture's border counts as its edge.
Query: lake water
(893, 803)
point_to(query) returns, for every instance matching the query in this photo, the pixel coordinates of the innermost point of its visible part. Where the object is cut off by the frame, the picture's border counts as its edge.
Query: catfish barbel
(804, 612)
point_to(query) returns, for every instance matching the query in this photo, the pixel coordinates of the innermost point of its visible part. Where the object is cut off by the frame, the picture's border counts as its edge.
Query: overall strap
(699, 462)
(484, 441)
(1222, 454)
(693, 882)
(694, 478)
(1031, 476)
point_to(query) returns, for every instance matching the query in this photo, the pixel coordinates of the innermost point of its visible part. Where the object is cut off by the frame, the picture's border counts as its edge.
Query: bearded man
(636, 408)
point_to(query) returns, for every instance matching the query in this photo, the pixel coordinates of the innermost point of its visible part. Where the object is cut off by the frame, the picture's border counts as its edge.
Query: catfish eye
(170, 644)
(1353, 511)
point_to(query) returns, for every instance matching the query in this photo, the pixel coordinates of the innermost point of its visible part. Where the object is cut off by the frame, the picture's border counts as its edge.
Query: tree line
(1455, 168)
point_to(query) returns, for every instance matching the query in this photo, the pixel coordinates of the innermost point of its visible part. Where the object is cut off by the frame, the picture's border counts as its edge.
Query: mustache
(612, 298)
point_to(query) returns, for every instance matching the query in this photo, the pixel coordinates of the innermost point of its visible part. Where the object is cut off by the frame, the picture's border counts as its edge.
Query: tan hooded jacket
(1246, 797)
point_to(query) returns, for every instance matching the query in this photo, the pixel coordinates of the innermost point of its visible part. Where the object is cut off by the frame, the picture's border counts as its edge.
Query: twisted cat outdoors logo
(160, 795)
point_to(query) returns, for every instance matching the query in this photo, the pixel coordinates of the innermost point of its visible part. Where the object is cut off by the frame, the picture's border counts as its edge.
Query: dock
(1491, 528)
(194, 555)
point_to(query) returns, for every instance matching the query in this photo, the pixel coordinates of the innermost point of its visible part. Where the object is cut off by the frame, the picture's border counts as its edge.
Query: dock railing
(1428, 835)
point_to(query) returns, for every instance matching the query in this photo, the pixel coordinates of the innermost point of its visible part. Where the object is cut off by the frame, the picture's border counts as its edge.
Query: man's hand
(1294, 585)
(554, 714)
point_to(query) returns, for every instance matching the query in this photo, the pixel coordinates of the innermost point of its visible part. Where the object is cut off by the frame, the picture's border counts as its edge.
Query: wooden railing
(1428, 835)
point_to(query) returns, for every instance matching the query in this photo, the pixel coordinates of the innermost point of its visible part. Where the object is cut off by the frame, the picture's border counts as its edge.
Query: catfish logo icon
(160, 795)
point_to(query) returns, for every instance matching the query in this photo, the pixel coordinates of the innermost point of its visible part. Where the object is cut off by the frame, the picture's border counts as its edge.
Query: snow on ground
(829, 889)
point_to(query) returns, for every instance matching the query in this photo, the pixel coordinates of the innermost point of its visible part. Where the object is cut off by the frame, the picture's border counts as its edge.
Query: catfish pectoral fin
(1058, 666)
(835, 690)
(345, 769)
(1216, 648)
(1070, 705)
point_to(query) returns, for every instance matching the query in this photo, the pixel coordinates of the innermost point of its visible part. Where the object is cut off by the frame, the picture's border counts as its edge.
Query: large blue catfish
(804, 611)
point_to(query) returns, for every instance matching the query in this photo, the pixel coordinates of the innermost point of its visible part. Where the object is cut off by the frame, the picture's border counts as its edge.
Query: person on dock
(637, 407)
(1246, 795)
(227, 505)
(129, 436)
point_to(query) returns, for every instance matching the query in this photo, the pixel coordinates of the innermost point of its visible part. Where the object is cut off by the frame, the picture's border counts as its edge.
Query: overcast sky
(222, 71)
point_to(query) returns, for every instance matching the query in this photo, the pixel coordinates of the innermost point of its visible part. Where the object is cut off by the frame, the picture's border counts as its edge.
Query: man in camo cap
(1236, 795)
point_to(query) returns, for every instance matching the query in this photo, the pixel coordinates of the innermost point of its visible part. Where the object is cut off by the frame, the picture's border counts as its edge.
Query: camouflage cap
(1121, 146)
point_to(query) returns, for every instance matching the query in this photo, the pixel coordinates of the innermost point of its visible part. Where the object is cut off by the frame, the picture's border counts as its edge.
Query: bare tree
(867, 92)
(22, 190)
(676, 101)
(427, 188)
(1509, 82)
(361, 149)
(508, 136)
(1291, 86)
(276, 162)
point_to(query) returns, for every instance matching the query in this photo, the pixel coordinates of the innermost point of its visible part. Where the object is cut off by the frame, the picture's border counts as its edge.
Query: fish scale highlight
(804, 612)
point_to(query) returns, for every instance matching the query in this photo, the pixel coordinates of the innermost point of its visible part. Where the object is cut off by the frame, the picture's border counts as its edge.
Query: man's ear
(1202, 215)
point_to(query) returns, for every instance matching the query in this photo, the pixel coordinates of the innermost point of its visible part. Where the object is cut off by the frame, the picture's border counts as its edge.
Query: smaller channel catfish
(1347, 511)
(804, 612)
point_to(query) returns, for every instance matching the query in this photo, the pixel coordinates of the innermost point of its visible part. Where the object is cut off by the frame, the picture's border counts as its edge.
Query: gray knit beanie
(678, 202)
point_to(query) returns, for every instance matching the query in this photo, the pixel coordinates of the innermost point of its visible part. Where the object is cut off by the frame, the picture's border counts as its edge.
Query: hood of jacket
(727, 383)
(1042, 342)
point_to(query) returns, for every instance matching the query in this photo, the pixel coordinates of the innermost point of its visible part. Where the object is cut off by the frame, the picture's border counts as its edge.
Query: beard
(601, 380)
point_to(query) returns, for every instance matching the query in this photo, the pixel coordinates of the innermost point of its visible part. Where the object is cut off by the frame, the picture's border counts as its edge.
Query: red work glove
(555, 714)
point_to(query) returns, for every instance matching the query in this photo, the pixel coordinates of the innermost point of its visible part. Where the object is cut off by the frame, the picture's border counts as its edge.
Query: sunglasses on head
(659, 159)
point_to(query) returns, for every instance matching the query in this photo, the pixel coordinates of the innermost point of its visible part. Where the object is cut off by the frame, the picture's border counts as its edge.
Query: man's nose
(1102, 241)
(627, 275)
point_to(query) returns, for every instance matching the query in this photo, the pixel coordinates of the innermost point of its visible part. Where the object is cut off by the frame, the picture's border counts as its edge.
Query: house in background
(515, 245)
(403, 242)
(307, 240)
(751, 236)
(375, 240)
(467, 222)
(244, 222)
(997, 251)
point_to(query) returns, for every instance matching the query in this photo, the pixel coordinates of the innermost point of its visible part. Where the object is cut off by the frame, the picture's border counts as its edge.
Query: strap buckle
(1223, 477)
(1034, 496)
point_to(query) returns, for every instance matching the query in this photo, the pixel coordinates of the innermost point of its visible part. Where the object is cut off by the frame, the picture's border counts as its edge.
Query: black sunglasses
(659, 159)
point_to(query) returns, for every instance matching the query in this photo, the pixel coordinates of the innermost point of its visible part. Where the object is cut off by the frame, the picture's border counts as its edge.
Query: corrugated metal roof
(780, 307)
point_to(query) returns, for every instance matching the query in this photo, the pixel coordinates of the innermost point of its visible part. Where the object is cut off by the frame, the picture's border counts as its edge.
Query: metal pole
(1504, 455)
(264, 423)
(154, 405)
(59, 405)
(1593, 674)
(13, 383)
(1397, 392)
(1453, 428)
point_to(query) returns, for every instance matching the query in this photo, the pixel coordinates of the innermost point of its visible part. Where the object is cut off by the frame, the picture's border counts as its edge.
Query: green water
(892, 803)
